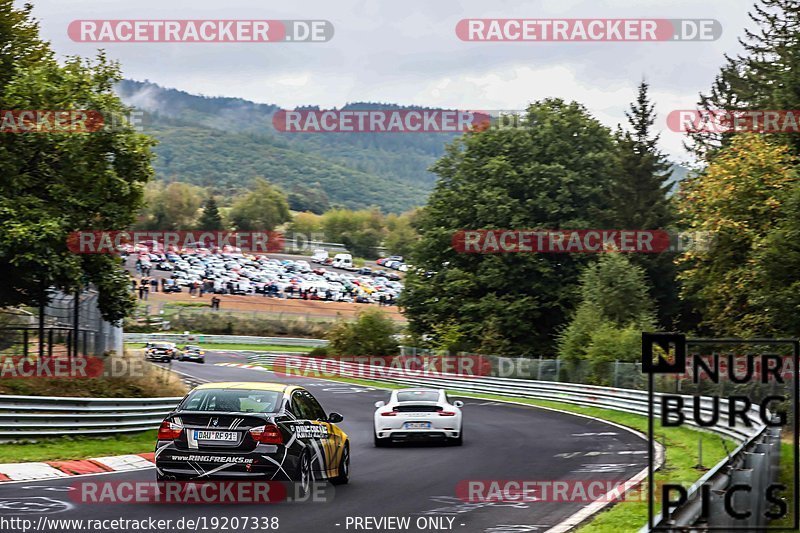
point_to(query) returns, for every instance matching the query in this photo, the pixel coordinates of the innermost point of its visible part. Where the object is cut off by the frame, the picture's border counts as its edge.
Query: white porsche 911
(418, 414)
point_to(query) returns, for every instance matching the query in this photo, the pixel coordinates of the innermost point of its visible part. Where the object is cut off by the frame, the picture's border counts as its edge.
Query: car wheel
(379, 443)
(304, 476)
(344, 467)
(459, 441)
(202, 361)
(165, 359)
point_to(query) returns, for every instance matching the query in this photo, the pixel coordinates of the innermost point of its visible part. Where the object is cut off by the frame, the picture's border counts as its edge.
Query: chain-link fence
(60, 328)
(744, 366)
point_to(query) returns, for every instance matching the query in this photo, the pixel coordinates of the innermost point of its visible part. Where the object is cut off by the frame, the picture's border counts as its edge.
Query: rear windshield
(232, 400)
(192, 348)
(418, 396)
(162, 345)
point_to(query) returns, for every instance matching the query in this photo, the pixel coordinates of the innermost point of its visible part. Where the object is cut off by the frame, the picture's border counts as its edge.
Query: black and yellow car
(252, 431)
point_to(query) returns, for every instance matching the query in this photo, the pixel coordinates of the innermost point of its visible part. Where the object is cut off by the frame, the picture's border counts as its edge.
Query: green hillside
(224, 143)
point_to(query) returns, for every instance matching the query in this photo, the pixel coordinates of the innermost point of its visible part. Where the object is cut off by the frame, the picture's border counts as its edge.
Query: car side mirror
(458, 403)
(379, 404)
(334, 418)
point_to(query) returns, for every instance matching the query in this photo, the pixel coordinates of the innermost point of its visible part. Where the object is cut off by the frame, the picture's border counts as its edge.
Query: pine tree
(765, 77)
(641, 200)
(640, 193)
(210, 219)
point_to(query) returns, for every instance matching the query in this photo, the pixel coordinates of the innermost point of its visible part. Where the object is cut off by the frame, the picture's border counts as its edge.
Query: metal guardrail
(755, 464)
(221, 339)
(43, 416)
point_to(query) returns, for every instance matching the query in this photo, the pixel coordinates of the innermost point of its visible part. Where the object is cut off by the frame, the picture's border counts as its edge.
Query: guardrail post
(758, 463)
(743, 501)
(717, 515)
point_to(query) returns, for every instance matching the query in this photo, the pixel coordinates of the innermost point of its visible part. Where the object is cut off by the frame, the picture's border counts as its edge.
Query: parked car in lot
(161, 351)
(191, 352)
(225, 273)
(319, 256)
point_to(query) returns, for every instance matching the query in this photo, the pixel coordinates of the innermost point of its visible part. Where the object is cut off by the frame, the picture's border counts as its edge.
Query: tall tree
(640, 199)
(554, 171)
(640, 193)
(170, 206)
(262, 209)
(54, 184)
(210, 219)
(766, 76)
(745, 198)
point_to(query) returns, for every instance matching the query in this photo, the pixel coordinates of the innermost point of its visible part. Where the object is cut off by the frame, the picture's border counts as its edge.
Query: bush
(372, 333)
(319, 351)
(221, 323)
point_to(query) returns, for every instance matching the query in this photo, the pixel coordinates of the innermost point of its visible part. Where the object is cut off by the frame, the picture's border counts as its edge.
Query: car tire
(344, 467)
(303, 476)
(202, 361)
(458, 441)
(379, 443)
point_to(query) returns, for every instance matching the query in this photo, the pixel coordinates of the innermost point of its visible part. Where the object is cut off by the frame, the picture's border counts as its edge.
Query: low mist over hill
(224, 143)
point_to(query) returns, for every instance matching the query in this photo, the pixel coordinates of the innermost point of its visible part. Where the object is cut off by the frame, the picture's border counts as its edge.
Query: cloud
(407, 52)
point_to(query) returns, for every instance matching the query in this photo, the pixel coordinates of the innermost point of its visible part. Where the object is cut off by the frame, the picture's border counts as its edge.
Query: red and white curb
(242, 365)
(77, 467)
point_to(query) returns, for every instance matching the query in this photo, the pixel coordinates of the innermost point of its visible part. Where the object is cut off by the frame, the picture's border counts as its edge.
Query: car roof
(254, 385)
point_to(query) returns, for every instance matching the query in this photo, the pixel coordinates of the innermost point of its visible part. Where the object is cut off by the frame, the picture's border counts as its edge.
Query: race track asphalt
(502, 441)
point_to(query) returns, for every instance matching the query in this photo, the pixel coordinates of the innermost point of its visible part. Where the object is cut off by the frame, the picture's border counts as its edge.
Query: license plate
(418, 425)
(229, 436)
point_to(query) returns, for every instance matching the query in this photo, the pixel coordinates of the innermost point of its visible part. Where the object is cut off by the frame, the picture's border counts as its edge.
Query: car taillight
(169, 430)
(267, 434)
(447, 413)
(389, 413)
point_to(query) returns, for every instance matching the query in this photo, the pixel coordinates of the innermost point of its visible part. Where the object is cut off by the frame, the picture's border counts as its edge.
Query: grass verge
(786, 478)
(62, 448)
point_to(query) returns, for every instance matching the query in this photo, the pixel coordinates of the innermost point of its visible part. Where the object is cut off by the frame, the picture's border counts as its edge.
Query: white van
(342, 261)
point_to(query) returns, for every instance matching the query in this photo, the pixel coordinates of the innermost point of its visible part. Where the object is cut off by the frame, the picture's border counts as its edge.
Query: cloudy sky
(407, 52)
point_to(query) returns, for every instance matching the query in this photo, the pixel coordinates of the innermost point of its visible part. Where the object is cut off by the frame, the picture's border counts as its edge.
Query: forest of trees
(563, 169)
